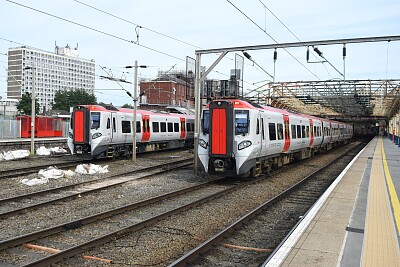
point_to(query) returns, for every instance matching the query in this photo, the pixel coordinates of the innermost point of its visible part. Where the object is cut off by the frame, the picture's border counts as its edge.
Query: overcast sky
(177, 28)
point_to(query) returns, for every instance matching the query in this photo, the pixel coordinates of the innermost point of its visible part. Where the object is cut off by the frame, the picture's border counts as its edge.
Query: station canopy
(340, 99)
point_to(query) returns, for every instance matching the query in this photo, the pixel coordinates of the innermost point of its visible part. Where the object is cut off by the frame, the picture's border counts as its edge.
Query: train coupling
(81, 149)
(219, 165)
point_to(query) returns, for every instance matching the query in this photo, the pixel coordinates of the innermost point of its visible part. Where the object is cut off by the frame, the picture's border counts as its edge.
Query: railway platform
(357, 220)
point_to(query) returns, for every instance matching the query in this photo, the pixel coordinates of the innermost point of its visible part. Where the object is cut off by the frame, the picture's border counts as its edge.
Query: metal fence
(10, 129)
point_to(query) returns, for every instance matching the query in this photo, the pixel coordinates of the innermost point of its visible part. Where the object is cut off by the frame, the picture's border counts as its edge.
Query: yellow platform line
(392, 191)
(381, 247)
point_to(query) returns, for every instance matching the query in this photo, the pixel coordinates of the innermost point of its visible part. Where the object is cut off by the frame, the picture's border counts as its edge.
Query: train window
(95, 117)
(156, 127)
(293, 129)
(242, 122)
(315, 131)
(298, 131)
(138, 130)
(176, 127)
(170, 127)
(280, 131)
(303, 131)
(272, 131)
(205, 122)
(163, 127)
(192, 127)
(307, 131)
(114, 125)
(108, 123)
(258, 126)
(126, 126)
(188, 128)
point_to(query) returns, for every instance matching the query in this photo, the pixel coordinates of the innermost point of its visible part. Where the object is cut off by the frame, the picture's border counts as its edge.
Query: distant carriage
(108, 131)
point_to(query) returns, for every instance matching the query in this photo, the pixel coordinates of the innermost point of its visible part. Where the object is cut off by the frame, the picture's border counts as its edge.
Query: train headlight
(96, 135)
(244, 144)
(70, 135)
(203, 143)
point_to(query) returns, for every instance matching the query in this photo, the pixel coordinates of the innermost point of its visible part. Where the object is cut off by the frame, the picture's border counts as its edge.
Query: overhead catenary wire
(295, 36)
(135, 24)
(258, 26)
(143, 27)
(96, 30)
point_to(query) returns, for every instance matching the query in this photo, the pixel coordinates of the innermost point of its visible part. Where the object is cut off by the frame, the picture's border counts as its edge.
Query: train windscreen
(95, 120)
(241, 122)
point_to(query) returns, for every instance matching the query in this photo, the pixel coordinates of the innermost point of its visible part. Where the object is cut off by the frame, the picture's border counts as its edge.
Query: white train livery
(108, 131)
(240, 138)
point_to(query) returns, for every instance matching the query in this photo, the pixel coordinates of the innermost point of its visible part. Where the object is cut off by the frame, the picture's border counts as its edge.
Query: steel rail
(210, 243)
(70, 252)
(51, 190)
(93, 218)
(29, 170)
(74, 195)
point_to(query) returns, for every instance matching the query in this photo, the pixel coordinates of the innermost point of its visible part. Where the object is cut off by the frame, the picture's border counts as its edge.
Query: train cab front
(79, 132)
(216, 140)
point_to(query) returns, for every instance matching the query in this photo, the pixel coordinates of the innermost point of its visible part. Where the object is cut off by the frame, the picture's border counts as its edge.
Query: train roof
(138, 111)
(239, 103)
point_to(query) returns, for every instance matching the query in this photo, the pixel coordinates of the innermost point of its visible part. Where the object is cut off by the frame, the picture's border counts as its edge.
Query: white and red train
(240, 138)
(108, 131)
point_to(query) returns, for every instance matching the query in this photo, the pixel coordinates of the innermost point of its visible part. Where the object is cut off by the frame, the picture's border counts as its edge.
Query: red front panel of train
(218, 133)
(79, 130)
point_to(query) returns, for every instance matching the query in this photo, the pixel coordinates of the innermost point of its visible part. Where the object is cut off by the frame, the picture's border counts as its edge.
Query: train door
(183, 128)
(311, 133)
(259, 133)
(286, 133)
(221, 128)
(81, 125)
(113, 128)
(146, 128)
(263, 133)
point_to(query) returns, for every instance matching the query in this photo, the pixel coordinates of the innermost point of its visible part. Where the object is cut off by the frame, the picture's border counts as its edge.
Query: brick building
(167, 89)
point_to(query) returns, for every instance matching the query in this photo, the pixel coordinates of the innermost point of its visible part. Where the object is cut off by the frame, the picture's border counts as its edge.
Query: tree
(66, 99)
(127, 106)
(24, 105)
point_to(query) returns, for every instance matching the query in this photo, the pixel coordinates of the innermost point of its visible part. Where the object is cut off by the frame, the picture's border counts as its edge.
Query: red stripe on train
(218, 133)
(79, 129)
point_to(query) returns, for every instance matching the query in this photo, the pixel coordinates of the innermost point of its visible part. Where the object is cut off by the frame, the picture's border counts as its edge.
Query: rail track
(98, 233)
(12, 173)
(76, 190)
(270, 224)
(92, 229)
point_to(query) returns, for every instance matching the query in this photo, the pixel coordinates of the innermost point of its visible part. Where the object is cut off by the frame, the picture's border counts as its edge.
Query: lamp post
(135, 99)
(33, 112)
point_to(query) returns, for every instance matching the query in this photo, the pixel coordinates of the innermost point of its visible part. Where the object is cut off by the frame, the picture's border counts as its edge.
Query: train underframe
(257, 166)
(125, 150)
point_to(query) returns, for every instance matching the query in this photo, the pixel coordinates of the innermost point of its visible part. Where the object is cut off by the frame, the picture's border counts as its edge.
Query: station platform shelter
(357, 220)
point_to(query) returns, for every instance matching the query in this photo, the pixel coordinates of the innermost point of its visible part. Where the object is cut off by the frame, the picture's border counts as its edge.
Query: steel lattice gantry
(345, 98)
